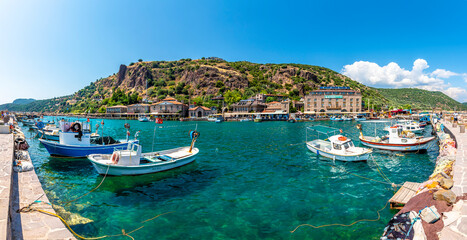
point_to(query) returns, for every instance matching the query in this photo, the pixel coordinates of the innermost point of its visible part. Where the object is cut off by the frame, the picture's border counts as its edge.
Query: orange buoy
(115, 158)
(342, 138)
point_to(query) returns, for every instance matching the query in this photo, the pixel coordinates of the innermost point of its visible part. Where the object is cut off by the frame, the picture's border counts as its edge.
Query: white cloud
(441, 73)
(393, 76)
(455, 92)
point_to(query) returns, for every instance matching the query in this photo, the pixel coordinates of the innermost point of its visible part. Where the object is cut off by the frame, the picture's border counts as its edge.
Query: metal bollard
(462, 128)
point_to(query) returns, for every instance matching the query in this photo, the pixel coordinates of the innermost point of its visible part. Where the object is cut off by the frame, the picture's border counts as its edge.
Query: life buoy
(19, 140)
(342, 138)
(115, 158)
(76, 127)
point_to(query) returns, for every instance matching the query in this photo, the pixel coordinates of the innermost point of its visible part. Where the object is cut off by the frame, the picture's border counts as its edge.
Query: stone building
(199, 112)
(139, 108)
(277, 107)
(117, 109)
(333, 99)
(170, 106)
(248, 105)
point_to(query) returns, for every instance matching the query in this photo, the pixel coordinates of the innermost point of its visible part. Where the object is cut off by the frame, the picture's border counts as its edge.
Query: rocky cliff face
(204, 77)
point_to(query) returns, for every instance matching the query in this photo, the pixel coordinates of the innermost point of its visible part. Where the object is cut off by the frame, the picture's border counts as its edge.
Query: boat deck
(403, 195)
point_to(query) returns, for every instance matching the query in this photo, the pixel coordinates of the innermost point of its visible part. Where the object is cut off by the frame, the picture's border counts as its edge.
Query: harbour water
(249, 181)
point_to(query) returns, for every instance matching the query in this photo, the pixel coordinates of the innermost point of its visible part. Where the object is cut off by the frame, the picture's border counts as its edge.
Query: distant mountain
(26, 105)
(465, 103)
(23, 101)
(420, 99)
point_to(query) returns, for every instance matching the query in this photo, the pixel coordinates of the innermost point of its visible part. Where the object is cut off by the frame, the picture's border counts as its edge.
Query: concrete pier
(458, 229)
(18, 190)
(6, 170)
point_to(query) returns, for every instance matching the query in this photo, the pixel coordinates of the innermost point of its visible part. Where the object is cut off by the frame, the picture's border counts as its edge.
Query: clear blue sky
(54, 48)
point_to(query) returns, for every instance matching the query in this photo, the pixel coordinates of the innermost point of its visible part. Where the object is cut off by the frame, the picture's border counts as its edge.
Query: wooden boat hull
(115, 170)
(350, 158)
(422, 145)
(57, 149)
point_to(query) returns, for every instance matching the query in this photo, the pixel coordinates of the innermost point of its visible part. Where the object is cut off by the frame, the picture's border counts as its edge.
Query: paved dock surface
(6, 169)
(18, 190)
(458, 229)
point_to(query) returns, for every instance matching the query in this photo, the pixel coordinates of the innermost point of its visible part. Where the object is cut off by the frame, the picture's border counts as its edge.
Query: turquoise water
(249, 181)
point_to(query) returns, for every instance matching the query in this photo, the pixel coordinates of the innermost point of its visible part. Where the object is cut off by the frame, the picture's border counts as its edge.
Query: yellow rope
(380, 171)
(344, 225)
(360, 176)
(124, 233)
(108, 166)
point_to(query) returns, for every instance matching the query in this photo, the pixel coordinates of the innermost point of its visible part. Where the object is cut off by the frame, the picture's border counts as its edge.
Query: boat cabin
(397, 135)
(129, 156)
(75, 133)
(340, 143)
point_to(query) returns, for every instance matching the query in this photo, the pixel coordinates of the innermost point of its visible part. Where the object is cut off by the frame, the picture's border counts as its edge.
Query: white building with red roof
(169, 105)
(199, 112)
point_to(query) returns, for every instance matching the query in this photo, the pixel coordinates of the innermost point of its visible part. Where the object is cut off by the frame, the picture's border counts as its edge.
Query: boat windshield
(347, 145)
(337, 146)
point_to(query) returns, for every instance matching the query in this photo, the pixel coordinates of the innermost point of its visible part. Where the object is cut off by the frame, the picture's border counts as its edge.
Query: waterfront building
(248, 105)
(199, 112)
(333, 99)
(139, 108)
(169, 106)
(299, 105)
(277, 107)
(117, 109)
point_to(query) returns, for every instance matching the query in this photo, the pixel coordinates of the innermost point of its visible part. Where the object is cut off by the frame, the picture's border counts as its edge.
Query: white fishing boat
(335, 119)
(397, 140)
(407, 126)
(344, 118)
(131, 161)
(143, 119)
(337, 146)
(257, 118)
(360, 118)
(212, 118)
(245, 120)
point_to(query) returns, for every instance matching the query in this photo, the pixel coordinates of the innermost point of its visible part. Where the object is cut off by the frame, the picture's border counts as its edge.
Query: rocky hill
(198, 81)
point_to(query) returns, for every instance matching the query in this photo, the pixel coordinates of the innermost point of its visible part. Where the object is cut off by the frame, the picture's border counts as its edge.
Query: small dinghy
(337, 146)
(131, 161)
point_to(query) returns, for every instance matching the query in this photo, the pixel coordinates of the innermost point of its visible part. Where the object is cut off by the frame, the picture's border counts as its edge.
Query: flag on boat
(159, 120)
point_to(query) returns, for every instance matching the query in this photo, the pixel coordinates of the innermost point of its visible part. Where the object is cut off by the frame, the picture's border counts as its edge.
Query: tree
(233, 96)
(270, 99)
(219, 84)
(140, 60)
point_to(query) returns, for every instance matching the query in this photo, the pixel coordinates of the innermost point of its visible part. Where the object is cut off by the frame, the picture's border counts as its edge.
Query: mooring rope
(343, 225)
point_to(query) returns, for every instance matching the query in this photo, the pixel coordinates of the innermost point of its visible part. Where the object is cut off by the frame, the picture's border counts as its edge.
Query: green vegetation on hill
(420, 99)
(23, 101)
(198, 81)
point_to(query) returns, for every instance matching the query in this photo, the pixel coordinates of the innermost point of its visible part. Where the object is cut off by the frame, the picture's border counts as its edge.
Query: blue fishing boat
(77, 142)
